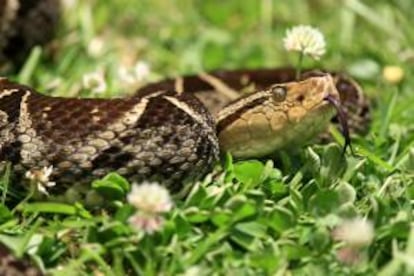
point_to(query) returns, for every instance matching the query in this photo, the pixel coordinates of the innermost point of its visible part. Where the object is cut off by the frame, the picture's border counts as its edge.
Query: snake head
(282, 116)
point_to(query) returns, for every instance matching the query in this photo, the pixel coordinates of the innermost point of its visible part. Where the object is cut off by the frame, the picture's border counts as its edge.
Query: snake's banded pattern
(167, 131)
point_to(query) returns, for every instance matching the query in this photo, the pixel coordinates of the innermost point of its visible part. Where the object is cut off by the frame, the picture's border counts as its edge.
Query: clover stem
(30, 194)
(299, 65)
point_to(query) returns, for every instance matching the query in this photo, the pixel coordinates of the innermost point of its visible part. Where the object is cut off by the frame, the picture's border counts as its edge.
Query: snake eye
(279, 93)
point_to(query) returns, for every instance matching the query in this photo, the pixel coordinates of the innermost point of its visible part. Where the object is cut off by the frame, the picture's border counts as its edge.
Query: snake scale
(172, 130)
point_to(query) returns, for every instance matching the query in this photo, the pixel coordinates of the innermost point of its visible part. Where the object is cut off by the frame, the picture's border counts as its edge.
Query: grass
(251, 217)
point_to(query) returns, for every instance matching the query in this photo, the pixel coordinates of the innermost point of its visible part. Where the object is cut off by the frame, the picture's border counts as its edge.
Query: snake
(173, 131)
(23, 25)
(170, 130)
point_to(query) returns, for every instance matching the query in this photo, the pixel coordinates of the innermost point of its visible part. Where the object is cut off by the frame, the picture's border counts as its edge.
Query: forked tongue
(343, 121)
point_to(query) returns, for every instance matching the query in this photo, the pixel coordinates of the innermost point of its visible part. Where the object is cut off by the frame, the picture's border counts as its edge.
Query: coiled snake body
(170, 130)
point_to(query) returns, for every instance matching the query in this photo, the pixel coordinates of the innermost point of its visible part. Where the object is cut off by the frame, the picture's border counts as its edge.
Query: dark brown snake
(157, 134)
(172, 130)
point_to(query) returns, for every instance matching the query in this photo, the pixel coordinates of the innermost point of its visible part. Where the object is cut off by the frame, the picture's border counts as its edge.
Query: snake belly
(166, 132)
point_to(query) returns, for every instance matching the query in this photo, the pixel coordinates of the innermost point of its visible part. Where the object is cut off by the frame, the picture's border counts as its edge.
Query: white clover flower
(96, 47)
(148, 223)
(138, 74)
(356, 232)
(150, 198)
(41, 178)
(142, 71)
(94, 81)
(305, 39)
(125, 75)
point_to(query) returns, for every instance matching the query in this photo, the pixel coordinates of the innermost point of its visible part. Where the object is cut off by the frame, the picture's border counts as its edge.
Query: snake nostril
(300, 98)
